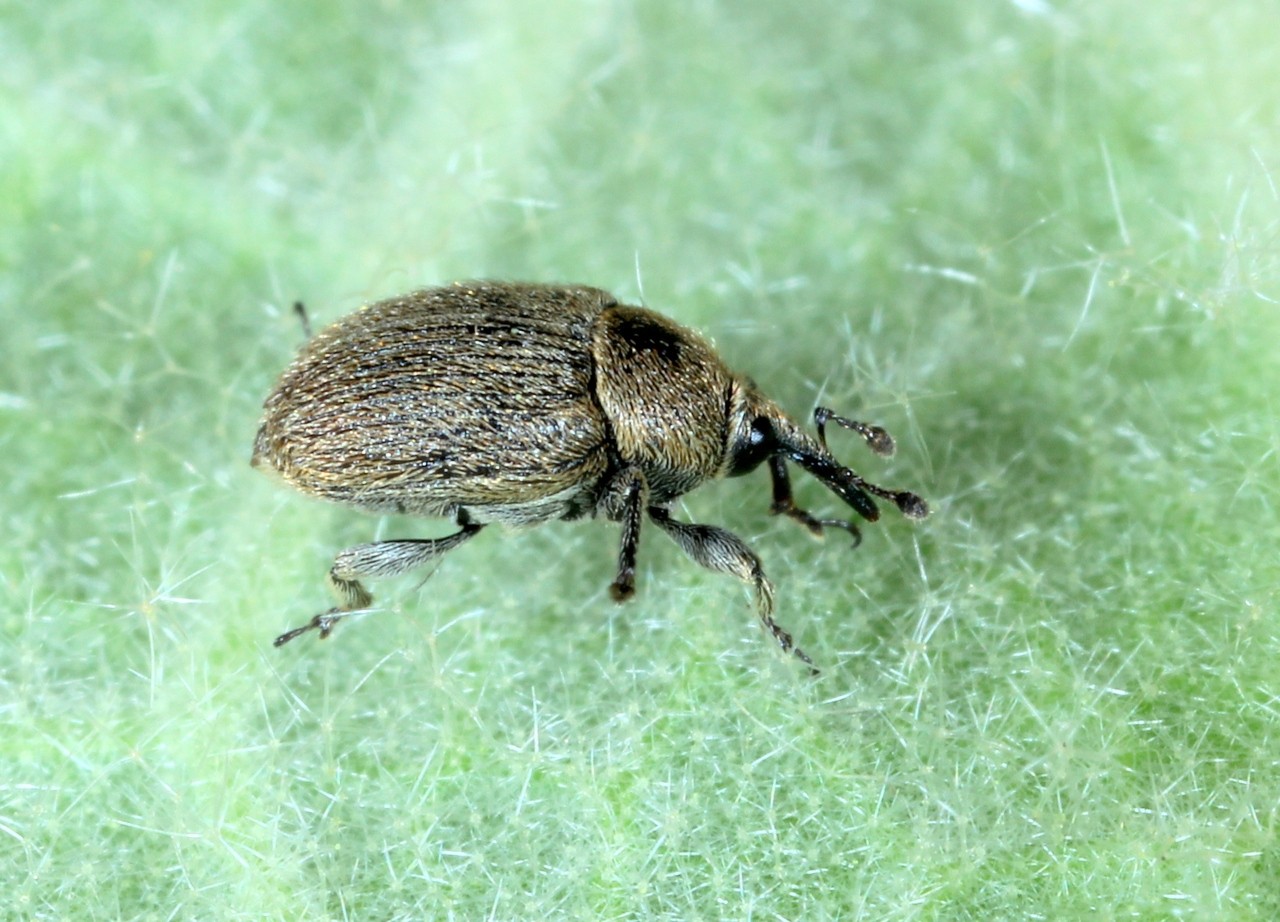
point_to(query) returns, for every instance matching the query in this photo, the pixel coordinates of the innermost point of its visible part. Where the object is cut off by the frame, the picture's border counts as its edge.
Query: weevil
(517, 404)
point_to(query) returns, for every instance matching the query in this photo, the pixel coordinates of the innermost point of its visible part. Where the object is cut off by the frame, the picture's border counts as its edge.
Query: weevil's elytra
(489, 402)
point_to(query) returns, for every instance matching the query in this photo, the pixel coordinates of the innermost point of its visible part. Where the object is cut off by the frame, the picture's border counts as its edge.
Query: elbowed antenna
(877, 439)
(816, 458)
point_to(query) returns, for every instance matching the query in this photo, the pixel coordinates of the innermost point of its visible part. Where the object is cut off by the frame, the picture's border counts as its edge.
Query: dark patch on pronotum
(646, 335)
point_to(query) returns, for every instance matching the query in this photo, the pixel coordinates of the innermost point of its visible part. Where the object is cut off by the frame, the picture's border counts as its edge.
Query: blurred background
(1035, 240)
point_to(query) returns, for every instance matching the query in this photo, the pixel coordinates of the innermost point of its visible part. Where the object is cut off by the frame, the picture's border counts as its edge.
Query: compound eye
(758, 445)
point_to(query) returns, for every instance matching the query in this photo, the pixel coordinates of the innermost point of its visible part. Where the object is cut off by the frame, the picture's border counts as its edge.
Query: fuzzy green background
(1037, 240)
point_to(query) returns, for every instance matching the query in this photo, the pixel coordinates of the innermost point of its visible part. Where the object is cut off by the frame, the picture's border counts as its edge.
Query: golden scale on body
(489, 402)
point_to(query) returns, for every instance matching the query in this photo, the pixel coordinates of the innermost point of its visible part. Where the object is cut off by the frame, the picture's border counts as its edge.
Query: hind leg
(374, 561)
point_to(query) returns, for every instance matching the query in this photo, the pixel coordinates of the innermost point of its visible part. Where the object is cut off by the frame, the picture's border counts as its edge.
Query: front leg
(723, 551)
(785, 504)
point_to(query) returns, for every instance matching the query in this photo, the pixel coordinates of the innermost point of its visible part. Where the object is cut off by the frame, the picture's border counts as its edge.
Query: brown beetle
(521, 403)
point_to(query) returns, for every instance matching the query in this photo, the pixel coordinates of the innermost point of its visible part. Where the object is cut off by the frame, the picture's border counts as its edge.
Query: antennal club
(877, 439)
(846, 484)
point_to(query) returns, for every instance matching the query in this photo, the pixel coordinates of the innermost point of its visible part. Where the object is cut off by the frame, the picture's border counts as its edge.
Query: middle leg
(628, 494)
